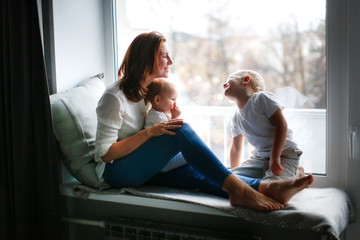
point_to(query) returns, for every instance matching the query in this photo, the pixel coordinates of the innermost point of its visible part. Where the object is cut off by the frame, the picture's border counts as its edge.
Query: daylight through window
(282, 40)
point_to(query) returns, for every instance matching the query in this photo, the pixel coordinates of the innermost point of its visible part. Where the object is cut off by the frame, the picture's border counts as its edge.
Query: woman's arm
(128, 145)
(235, 151)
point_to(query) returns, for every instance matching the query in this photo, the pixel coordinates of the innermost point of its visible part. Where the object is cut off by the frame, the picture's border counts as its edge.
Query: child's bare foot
(283, 190)
(243, 195)
(300, 172)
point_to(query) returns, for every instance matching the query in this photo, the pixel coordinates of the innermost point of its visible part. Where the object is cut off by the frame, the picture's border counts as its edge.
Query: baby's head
(161, 94)
(257, 81)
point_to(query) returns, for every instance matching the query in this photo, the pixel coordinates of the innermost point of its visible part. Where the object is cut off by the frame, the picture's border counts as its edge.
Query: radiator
(130, 229)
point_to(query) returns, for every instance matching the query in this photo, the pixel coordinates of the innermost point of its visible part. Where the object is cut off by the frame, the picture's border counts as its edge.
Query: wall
(79, 41)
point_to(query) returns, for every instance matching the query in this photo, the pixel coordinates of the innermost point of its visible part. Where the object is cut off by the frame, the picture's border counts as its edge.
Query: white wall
(79, 41)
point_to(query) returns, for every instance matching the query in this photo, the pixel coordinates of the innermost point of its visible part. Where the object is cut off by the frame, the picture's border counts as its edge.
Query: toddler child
(259, 119)
(162, 96)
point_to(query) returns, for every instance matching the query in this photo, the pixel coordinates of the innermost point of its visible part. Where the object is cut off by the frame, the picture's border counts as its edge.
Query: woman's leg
(187, 177)
(199, 156)
(271, 194)
(138, 167)
(141, 165)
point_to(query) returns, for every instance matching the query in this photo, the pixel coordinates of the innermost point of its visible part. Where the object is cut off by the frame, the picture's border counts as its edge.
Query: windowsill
(65, 190)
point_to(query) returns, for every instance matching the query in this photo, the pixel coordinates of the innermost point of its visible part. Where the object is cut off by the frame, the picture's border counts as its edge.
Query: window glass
(208, 39)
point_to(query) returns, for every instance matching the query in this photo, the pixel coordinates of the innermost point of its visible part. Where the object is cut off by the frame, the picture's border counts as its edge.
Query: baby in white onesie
(162, 96)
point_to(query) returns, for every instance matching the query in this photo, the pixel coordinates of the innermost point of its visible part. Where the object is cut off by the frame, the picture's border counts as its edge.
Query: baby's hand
(175, 112)
(276, 167)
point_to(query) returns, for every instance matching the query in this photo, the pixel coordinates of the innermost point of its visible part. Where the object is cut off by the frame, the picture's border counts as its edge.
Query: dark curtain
(29, 190)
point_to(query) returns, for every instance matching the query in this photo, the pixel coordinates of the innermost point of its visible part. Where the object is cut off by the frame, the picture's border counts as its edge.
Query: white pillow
(74, 122)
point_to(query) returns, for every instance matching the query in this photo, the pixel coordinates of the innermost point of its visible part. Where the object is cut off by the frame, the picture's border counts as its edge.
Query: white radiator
(130, 229)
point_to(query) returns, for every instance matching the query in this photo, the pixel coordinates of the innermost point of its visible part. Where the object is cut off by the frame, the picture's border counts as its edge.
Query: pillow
(74, 122)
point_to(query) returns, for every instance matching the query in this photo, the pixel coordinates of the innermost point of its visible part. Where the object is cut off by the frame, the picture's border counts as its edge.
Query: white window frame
(337, 87)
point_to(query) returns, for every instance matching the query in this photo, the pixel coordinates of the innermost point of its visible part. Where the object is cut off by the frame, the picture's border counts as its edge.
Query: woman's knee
(186, 129)
(186, 125)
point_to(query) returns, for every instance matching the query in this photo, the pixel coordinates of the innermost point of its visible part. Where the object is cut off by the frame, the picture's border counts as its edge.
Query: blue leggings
(204, 171)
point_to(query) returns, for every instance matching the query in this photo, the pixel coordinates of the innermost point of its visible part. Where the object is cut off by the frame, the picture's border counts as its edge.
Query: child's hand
(175, 112)
(276, 167)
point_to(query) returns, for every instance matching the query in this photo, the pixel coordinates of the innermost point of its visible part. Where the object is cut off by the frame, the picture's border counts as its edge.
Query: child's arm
(278, 120)
(235, 151)
(175, 111)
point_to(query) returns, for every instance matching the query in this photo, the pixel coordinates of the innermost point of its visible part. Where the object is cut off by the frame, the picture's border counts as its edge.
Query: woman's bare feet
(241, 194)
(283, 190)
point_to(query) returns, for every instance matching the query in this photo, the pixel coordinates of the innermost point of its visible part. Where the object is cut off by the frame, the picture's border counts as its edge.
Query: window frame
(337, 88)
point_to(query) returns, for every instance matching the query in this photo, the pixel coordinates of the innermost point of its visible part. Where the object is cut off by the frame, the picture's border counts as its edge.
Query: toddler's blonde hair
(257, 81)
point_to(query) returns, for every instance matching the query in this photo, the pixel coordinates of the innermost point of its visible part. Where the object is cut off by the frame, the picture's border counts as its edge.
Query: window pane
(210, 39)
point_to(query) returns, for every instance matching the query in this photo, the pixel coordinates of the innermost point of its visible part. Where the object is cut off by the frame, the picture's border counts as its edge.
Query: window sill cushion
(324, 210)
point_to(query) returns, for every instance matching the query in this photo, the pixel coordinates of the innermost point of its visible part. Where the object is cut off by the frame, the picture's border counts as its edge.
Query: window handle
(352, 139)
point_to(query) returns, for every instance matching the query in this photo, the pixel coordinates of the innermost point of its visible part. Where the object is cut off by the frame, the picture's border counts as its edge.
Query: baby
(162, 96)
(260, 120)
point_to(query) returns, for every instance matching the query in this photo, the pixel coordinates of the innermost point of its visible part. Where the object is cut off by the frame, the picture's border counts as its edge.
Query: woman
(129, 155)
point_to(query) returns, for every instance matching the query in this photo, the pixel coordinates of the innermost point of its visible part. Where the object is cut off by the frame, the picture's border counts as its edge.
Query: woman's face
(164, 63)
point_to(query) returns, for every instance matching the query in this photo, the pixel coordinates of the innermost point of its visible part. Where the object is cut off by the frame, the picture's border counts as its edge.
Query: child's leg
(252, 167)
(289, 161)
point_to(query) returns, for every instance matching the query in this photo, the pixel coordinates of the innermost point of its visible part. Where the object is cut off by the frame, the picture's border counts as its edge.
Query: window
(209, 39)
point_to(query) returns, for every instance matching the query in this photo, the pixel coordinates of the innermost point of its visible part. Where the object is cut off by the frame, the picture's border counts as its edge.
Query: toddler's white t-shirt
(252, 121)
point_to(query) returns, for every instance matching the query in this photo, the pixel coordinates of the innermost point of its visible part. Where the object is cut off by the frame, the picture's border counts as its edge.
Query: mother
(129, 155)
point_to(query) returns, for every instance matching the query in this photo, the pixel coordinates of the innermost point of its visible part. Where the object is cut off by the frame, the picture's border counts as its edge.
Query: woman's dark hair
(140, 60)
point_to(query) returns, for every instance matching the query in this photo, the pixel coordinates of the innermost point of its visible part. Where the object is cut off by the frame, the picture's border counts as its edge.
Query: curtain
(29, 190)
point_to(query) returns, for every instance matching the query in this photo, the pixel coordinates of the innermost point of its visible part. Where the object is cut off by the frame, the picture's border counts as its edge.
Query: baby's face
(167, 100)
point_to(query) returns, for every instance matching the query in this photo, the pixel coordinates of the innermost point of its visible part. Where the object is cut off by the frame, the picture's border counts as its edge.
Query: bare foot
(300, 172)
(241, 194)
(283, 190)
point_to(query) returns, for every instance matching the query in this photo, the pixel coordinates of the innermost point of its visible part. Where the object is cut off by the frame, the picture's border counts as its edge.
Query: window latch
(353, 133)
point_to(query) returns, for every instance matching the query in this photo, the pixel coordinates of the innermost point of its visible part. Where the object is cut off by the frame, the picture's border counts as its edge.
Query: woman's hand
(165, 127)
(128, 145)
